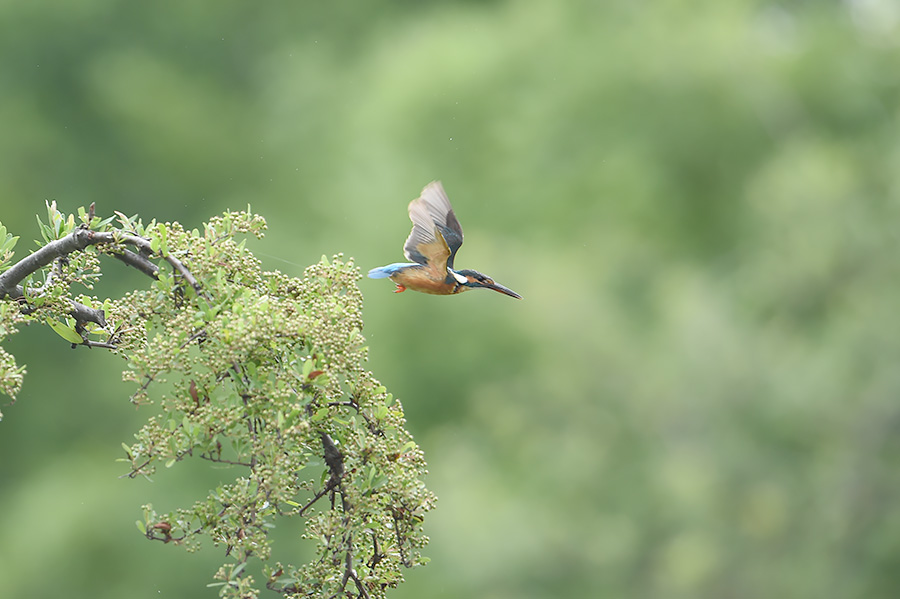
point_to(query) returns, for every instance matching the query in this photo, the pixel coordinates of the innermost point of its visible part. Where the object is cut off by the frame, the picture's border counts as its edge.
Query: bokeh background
(699, 395)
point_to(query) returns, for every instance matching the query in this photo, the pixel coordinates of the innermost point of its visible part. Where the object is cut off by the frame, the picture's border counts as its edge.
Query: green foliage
(7, 244)
(11, 374)
(261, 373)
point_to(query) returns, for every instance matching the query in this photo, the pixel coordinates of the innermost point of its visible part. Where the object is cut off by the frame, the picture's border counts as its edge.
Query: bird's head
(474, 280)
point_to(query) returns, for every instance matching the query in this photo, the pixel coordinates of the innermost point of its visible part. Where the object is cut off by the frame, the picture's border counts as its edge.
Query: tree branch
(83, 314)
(138, 261)
(334, 459)
(144, 246)
(79, 312)
(78, 240)
(75, 241)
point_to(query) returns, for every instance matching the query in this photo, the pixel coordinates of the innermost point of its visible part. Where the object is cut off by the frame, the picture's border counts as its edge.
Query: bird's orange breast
(420, 279)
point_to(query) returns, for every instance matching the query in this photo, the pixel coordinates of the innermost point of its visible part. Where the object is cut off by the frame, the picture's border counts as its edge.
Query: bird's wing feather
(438, 204)
(436, 234)
(429, 250)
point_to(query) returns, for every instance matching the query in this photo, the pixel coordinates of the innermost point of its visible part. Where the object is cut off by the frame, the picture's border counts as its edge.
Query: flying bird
(431, 246)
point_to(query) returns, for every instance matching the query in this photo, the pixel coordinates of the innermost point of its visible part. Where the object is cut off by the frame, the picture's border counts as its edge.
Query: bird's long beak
(502, 289)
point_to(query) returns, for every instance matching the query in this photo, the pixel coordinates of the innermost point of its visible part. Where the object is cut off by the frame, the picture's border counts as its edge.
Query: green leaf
(163, 239)
(44, 229)
(141, 526)
(238, 569)
(65, 331)
(9, 241)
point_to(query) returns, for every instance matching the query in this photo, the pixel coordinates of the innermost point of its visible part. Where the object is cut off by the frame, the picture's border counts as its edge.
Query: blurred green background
(699, 395)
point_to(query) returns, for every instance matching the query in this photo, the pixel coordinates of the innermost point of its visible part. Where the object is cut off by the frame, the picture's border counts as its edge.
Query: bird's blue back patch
(383, 272)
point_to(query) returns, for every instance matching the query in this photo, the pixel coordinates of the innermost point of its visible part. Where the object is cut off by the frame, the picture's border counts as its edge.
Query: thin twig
(222, 461)
(328, 487)
(90, 344)
(135, 471)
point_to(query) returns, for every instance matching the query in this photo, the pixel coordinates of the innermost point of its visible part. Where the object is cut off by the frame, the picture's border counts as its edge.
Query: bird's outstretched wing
(436, 234)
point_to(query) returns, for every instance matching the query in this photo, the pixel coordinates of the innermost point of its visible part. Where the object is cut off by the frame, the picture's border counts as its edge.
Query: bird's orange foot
(400, 288)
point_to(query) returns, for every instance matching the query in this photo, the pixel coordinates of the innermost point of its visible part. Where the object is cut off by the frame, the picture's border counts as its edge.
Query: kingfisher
(431, 246)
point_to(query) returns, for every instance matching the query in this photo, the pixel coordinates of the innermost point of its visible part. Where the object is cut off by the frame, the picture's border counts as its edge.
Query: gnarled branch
(76, 241)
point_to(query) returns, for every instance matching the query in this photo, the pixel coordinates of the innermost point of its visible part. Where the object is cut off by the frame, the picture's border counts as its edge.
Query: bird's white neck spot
(459, 277)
